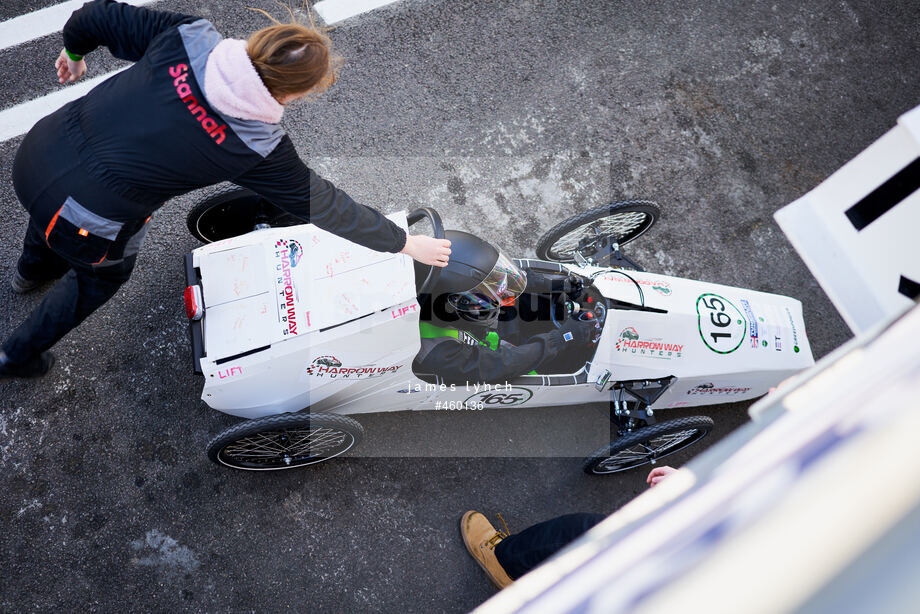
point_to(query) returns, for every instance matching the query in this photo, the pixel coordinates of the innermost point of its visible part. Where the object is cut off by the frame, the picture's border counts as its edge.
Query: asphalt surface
(507, 118)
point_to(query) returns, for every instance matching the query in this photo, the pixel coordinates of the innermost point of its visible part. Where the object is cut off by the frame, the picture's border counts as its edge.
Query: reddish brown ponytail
(293, 59)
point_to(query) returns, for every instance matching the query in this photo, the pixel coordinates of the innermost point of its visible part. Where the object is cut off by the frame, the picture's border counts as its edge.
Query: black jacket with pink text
(148, 133)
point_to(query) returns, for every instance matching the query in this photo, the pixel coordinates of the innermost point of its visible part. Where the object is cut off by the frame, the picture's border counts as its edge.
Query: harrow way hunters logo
(294, 249)
(630, 342)
(288, 253)
(710, 389)
(660, 286)
(332, 367)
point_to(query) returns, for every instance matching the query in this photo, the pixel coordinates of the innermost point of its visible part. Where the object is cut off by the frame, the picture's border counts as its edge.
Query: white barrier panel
(857, 231)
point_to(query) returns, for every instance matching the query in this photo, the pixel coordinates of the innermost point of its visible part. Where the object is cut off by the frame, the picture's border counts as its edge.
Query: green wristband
(73, 56)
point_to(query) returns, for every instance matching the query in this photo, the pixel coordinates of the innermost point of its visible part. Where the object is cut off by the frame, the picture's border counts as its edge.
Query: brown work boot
(480, 539)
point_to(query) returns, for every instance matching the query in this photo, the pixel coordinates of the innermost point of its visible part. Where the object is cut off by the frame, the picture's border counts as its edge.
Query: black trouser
(81, 290)
(521, 552)
(47, 171)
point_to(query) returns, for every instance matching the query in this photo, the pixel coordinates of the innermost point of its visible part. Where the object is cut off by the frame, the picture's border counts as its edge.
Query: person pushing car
(194, 110)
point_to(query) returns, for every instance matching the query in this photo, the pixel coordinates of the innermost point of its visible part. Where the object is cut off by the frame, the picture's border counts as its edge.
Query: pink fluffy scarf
(233, 86)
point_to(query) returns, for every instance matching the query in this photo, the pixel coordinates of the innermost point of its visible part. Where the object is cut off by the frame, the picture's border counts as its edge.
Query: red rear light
(194, 307)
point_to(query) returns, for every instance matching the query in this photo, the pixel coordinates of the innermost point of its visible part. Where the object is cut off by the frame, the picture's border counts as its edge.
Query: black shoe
(35, 367)
(21, 285)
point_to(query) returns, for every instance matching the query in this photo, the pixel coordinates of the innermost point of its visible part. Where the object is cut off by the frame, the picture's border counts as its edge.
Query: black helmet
(478, 279)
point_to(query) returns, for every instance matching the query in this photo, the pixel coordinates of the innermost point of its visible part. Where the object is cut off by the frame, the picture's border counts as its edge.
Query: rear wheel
(285, 441)
(593, 233)
(231, 211)
(647, 445)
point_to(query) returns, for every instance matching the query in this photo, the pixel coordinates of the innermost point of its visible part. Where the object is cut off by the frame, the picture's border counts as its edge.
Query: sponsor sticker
(764, 332)
(506, 397)
(327, 361)
(711, 389)
(721, 325)
(660, 286)
(288, 253)
(753, 334)
(795, 333)
(630, 342)
(332, 368)
(294, 249)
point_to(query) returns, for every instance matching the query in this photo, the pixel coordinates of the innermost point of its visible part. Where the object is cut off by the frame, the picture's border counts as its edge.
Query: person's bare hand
(427, 250)
(67, 69)
(657, 474)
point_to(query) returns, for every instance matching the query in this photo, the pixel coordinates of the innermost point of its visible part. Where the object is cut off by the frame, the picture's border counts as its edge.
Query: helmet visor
(501, 287)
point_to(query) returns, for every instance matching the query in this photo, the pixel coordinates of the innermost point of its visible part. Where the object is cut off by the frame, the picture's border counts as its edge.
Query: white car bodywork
(297, 317)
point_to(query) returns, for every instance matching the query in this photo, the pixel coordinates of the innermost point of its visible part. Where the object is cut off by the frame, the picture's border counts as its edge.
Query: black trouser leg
(38, 262)
(79, 293)
(521, 552)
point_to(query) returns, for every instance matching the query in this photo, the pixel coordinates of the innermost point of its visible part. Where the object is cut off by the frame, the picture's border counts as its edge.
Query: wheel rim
(645, 451)
(617, 226)
(286, 448)
(240, 216)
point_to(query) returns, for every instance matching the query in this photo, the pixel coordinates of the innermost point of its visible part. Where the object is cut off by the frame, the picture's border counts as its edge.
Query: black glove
(554, 284)
(573, 285)
(538, 283)
(579, 332)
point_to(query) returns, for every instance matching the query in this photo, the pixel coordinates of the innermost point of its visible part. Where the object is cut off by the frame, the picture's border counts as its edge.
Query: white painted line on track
(44, 22)
(333, 11)
(20, 119)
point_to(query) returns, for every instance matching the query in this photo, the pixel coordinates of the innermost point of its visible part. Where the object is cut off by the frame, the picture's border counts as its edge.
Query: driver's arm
(542, 282)
(459, 363)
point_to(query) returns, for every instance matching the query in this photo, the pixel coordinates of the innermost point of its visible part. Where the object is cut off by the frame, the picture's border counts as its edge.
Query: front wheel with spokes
(285, 441)
(598, 233)
(647, 445)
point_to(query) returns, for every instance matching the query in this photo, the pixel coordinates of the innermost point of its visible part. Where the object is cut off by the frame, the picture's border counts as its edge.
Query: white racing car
(294, 329)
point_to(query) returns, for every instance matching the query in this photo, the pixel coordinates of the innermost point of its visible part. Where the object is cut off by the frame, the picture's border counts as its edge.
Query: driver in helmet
(471, 329)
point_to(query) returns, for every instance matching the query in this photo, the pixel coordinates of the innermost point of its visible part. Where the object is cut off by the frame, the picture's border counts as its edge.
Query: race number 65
(722, 327)
(504, 397)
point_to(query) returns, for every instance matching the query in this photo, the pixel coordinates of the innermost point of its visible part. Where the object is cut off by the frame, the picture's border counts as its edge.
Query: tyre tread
(564, 227)
(218, 196)
(647, 432)
(247, 428)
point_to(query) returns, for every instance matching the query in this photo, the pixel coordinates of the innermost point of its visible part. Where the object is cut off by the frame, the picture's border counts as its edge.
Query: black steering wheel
(558, 305)
(561, 305)
(438, 230)
(598, 315)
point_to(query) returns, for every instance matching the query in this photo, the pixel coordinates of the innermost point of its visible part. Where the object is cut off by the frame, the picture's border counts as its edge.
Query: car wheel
(593, 232)
(285, 441)
(231, 211)
(647, 444)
